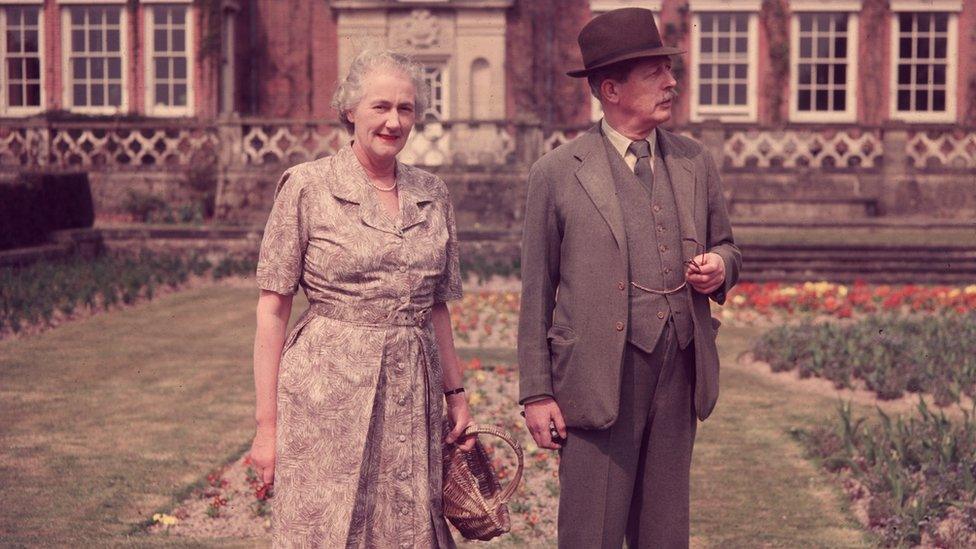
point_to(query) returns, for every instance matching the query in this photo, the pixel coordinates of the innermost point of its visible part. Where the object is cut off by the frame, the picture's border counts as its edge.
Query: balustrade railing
(162, 145)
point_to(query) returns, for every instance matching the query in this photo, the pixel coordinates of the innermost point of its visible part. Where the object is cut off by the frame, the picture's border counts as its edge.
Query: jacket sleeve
(541, 241)
(719, 235)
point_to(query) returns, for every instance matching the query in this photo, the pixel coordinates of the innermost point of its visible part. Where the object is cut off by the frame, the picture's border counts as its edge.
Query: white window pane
(32, 66)
(98, 95)
(79, 69)
(162, 68)
(179, 41)
(179, 95)
(15, 69)
(80, 95)
(162, 94)
(115, 68)
(113, 43)
(115, 95)
(95, 41)
(705, 94)
(13, 41)
(179, 67)
(160, 42)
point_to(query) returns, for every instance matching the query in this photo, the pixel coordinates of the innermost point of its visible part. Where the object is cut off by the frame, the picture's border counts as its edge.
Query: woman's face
(385, 115)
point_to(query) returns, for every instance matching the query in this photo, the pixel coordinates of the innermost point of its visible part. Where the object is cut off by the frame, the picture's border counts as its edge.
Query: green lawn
(110, 419)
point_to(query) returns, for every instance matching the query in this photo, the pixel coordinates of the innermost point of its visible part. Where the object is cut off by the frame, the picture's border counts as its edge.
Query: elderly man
(626, 238)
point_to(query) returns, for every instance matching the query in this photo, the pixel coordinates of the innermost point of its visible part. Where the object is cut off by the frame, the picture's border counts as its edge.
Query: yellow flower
(738, 300)
(475, 398)
(164, 519)
(954, 293)
(970, 289)
(480, 376)
(789, 291)
(842, 291)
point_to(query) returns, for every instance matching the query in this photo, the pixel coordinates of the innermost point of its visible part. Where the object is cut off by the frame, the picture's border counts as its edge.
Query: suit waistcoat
(655, 253)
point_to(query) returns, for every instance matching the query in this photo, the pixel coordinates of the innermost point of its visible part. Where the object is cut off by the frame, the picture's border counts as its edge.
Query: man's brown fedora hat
(619, 35)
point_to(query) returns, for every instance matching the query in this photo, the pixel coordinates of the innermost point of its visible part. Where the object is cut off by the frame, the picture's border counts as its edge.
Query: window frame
(850, 86)
(148, 59)
(748, 112)
(5, 108)
(67, 80)
(444, 66)
(952, 63)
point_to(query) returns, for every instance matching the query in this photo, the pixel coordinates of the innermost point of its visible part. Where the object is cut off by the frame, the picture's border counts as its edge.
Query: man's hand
(538, 417)
(707, 274)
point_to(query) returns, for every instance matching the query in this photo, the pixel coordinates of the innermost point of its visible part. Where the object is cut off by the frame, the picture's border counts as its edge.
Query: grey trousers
(632, 479)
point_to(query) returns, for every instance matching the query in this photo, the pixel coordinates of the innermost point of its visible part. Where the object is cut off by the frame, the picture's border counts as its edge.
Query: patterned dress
(359, 389)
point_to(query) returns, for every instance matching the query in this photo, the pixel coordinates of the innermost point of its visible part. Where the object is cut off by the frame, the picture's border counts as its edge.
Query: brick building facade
(858, 62)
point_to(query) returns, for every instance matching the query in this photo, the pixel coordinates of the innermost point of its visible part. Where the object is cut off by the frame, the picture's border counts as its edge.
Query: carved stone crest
(421, 30)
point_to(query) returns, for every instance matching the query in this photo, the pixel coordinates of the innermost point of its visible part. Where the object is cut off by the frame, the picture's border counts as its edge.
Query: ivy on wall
(874, 18)
(210, 32)
(775, 19)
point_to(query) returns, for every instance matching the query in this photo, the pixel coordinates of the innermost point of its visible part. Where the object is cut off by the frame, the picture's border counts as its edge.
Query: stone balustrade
(149, 145)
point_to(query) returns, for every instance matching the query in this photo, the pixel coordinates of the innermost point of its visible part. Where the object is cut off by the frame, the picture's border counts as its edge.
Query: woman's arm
(273, 312)
(457, 404)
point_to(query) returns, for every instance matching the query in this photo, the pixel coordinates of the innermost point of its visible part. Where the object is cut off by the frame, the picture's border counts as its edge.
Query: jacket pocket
(562, 341)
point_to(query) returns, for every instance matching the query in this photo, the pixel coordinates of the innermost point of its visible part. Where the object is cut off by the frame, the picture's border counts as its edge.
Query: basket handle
(507, 437)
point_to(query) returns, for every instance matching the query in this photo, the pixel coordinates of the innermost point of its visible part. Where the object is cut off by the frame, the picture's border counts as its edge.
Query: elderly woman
(350, 404)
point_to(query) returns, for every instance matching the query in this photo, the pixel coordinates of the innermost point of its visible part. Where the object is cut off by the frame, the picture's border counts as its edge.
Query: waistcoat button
(620, 326)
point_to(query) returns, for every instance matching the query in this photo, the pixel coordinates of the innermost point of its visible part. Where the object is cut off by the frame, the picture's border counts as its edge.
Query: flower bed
(750, 300)
(43, 294)
(889, 355)
(911, 478)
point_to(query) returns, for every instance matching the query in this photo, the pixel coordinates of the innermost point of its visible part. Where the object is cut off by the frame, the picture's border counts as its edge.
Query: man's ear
(608, 89)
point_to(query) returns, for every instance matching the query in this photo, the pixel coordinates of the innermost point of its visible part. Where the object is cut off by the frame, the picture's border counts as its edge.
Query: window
(21, 70)
(824, 70)
(95, 79)
(924, 48)
(724, 51)
(168, 90)
(434, 75)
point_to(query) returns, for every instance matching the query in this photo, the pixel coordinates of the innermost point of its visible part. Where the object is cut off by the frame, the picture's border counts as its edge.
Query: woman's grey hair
(350, 90)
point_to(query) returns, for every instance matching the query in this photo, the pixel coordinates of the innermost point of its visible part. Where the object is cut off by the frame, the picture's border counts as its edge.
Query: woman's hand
(460, 414)
(262, 455)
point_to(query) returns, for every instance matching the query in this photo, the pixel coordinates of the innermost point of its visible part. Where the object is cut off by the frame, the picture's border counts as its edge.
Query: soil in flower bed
(230, 503)
(911, 477)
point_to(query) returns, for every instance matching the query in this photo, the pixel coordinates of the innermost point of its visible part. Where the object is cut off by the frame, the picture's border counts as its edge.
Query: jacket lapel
(597, 180)
(683, 182)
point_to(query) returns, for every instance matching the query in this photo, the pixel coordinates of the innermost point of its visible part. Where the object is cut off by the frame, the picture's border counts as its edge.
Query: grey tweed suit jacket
(574, 309)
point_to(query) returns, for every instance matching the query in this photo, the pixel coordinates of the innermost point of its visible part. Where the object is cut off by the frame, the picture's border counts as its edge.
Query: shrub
(37, 203)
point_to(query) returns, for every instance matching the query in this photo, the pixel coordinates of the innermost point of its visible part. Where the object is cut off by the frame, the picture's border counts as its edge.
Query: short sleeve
(281, 258)
(449, 286)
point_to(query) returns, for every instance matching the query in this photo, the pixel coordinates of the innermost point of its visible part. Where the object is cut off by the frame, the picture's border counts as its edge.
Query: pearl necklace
(384, 189)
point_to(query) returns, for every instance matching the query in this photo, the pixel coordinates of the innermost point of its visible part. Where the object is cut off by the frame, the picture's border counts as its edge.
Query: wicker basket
(473, 499)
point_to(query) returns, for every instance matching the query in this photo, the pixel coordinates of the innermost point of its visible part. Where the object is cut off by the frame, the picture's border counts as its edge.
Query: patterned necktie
(642, 150)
